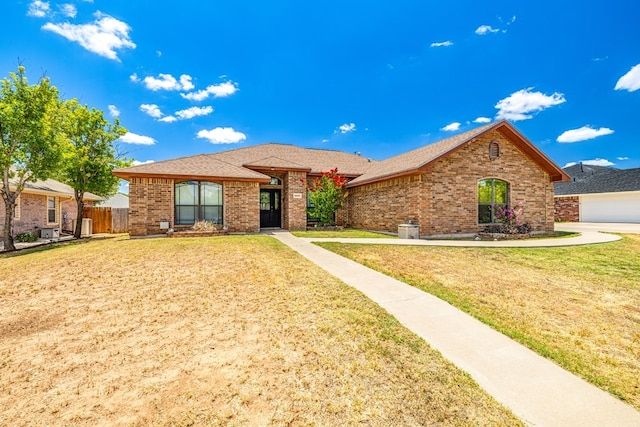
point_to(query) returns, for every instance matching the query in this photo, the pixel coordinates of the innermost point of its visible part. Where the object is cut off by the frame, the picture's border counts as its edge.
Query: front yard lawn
(579, 306)
(235, 330)
(346, 233)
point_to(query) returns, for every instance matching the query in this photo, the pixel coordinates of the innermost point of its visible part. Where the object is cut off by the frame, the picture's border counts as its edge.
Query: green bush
(26, 237)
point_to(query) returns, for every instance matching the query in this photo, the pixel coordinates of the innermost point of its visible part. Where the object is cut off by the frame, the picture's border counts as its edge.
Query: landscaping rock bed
(503, 236)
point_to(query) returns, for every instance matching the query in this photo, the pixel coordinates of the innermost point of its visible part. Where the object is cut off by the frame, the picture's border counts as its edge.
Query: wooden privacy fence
(108, 220)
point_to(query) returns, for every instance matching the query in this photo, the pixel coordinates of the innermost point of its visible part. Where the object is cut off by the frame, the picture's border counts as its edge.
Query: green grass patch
(578, 306)
(347, 233)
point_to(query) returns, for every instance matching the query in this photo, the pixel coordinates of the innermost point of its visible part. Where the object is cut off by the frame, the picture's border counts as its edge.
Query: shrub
(326, 194)
(26, 237)
(204, 226)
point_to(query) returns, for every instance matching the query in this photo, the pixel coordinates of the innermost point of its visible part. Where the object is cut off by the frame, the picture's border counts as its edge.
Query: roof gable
(416, 160)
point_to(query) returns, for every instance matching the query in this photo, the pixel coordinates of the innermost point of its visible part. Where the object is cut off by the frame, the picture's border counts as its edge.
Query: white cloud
(167, 82)
(138, 162)
(168, 119)
(222, 135)
(152, 110)
(132, 138)
(325, 140)
(485, 29)
(218, 91)
(104, 36)
(38, 9)
(520, 104)
(347, 127)
(442, 44)
(594, 162)
(630, 81)
(192, 112)
(451, 127)
(482, 120)
(582, 134)
(622, 158)
(134, 78)
(68, 10)
(113, 110)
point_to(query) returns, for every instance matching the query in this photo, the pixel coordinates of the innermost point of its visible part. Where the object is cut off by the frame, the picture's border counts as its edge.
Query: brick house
(45, 204)
(448, 187)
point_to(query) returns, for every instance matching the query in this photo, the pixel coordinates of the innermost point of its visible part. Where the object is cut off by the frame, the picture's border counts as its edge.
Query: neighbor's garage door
(620, 207)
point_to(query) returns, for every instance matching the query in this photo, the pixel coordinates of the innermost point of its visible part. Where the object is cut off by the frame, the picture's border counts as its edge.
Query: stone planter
(503, 236)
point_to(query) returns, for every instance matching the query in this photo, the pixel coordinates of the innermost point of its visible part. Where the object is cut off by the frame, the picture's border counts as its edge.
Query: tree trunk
(77, 233)
(9, 209)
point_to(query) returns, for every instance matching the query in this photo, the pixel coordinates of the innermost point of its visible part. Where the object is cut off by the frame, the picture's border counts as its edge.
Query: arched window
(494, 150)
(492, 193)
(198, 201)
(275, 181)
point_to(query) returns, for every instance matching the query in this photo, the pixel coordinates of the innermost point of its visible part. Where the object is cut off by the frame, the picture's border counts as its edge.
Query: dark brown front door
(270, 208)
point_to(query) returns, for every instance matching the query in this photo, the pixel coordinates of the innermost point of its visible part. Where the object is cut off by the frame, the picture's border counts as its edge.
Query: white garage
(598, 194)
(610, 207)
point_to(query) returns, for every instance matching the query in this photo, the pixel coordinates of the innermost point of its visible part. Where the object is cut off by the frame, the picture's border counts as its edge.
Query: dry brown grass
(579, 306)
(234, 330)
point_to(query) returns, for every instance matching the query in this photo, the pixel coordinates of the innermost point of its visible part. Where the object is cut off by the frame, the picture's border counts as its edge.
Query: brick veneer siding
(69, 211)
(150, 201)
(444, 199)
(34, 213)
(567, 208)
(295, 209)
(242, 206)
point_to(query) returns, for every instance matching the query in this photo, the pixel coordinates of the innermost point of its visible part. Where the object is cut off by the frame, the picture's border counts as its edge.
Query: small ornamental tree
(326, 194)
(90, 154)
(29, 139)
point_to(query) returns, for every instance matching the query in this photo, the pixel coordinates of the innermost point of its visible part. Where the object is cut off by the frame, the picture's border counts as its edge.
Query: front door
(270, 208)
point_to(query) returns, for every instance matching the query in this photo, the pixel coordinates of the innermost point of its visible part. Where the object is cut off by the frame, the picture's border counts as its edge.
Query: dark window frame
(487, 209)
(199, 207)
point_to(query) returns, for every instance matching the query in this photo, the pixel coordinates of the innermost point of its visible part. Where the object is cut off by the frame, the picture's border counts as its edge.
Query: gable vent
(494, 150)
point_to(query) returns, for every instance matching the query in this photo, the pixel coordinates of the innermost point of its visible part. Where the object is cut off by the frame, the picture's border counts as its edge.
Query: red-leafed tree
(326, 194)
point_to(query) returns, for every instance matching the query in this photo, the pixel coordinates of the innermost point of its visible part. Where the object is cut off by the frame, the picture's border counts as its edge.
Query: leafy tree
(90, 154)
(29, 141)
(327, 195)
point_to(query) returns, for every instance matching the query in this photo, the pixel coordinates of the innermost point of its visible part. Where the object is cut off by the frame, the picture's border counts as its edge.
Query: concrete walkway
(589, 234)
(532, 387)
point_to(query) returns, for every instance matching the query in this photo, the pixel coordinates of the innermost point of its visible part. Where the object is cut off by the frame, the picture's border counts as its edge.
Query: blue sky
(373, 77)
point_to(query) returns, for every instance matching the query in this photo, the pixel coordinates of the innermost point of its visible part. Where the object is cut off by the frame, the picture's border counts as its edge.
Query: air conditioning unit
(87, 227)
(49, 233)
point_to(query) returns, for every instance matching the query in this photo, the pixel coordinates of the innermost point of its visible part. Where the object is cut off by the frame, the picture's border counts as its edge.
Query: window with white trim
(16, 211)
(52, 210)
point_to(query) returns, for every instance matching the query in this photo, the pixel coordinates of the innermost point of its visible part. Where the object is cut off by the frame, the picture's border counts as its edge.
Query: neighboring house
(448, 187)
(598, 194)
(117, 201)
(45, 204)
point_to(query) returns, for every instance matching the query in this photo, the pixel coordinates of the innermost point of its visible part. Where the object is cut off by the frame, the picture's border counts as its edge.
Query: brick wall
(242, 206)
(34, 213)
(383, 205)
(444, 199)
(567, 209)
(150, 201)
(295, 217)
(69, 211)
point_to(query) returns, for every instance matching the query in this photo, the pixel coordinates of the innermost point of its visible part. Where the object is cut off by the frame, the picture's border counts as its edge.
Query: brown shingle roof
(317, 160)
(413, 161)
(51, 187)
(237, 163)
(199, 166)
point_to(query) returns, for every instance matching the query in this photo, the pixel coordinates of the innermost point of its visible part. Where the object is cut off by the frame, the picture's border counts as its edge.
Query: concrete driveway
(598, 226)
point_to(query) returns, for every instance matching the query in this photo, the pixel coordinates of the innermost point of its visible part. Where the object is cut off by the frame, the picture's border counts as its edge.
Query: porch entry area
(270, 208)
